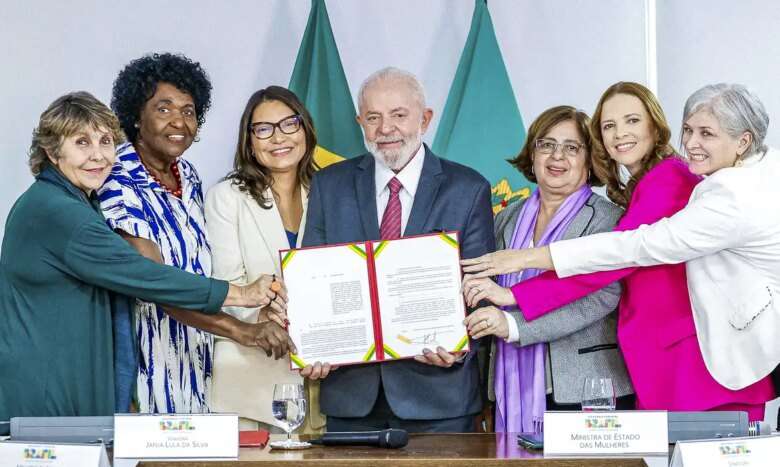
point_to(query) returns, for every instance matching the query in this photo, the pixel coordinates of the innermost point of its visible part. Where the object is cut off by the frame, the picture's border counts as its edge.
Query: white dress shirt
(409, 177)
(514, 333)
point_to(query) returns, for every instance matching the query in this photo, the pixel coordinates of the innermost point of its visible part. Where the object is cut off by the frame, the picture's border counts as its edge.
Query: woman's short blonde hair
(66, 116)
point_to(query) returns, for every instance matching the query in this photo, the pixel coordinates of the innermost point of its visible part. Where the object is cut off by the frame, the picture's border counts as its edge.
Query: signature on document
(424, 339)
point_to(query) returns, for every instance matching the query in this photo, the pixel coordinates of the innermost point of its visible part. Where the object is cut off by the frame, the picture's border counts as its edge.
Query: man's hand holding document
(374, 301)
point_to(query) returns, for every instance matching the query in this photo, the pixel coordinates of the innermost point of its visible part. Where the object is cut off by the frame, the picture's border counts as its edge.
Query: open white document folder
(373, 301)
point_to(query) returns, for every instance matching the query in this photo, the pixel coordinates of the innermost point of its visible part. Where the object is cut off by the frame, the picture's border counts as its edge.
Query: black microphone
(391, 438)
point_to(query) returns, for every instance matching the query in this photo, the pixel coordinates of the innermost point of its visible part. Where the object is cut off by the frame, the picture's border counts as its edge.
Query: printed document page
(420, 302)
(329, 304)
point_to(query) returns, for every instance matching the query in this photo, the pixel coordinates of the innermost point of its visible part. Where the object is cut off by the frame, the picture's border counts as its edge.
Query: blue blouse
(292, 238)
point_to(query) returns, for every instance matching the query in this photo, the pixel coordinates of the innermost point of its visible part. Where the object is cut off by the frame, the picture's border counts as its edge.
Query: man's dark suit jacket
(342, 208)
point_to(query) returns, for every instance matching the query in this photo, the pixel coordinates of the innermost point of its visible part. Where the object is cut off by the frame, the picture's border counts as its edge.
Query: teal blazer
(58, 266)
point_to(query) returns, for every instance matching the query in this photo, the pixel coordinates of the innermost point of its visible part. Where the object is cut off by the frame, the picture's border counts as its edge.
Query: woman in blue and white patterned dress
(154, 199)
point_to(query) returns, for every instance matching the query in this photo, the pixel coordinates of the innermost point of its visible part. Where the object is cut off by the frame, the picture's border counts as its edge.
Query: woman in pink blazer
(656, 331)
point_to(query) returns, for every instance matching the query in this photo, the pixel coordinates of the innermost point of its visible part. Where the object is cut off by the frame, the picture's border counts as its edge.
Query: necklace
(175, 171)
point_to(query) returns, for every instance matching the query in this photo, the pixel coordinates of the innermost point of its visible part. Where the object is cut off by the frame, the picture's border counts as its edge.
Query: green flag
(481, 125)
(318, 80)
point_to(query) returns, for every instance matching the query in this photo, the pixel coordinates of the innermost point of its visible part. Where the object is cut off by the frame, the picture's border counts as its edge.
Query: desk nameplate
(33, 454)
(744, 452)
(176, 436)
(605, 433)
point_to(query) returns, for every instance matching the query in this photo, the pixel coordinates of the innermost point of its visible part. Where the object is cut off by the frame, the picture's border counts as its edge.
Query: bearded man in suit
(400, 188)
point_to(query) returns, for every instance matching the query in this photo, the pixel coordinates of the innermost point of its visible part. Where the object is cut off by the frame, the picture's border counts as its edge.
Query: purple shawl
(519, 373)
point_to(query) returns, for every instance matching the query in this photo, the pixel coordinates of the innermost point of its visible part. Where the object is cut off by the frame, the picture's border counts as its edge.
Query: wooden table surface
(428, 450)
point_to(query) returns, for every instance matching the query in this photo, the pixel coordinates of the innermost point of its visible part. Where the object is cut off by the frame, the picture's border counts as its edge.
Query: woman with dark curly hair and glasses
(154, 199)
(256, 211)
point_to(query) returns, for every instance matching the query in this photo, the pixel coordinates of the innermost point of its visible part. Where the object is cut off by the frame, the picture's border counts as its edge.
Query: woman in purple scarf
(541, 365)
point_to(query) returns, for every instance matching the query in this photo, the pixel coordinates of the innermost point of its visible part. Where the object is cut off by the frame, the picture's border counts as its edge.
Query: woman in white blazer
(256, 211)
(728, 235)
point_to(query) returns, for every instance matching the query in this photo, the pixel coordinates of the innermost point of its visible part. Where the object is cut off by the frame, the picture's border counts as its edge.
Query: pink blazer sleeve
(662, 192)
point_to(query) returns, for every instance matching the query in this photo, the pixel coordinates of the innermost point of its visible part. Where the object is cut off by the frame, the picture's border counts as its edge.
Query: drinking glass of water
(598, 394)
(289, 409)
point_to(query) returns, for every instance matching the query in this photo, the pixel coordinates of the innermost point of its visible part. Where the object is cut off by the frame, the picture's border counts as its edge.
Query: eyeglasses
(264, 130)
(549, 146)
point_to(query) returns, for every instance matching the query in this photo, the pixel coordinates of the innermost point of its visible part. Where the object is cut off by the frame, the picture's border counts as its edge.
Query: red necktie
(390, 228)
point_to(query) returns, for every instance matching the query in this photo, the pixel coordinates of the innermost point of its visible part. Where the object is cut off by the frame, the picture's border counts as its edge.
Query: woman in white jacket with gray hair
(728, 235)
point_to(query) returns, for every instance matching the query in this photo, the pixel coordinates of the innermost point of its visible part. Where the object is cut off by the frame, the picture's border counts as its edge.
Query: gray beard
(395, 159)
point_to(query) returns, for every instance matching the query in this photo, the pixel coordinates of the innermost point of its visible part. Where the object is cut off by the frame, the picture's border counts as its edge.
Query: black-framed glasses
(549, 146)
(264, 130)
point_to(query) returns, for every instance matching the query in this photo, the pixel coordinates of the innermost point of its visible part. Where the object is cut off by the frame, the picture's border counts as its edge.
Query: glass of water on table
(598, 394)
(289, 409)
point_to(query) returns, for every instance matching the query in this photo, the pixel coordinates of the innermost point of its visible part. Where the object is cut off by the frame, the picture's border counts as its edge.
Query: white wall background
(554, 55)
(556, 52)
(712, 41)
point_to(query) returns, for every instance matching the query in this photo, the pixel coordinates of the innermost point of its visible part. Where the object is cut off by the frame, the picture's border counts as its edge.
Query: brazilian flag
(481, 125)
(318, 79)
